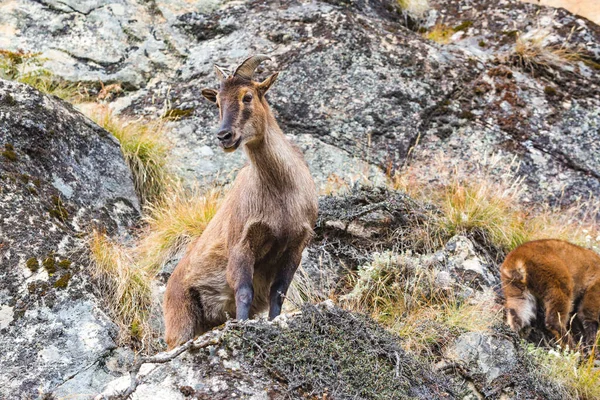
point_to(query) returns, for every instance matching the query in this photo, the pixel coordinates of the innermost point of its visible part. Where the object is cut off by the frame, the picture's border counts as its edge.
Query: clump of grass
(27, 68)
(178, 218)
(580, 379)
(489, 201)
(415, 9)
(440, 33)
(538, 51)
(126, 288)
(399, 291)
(484, 206)
(144, 148)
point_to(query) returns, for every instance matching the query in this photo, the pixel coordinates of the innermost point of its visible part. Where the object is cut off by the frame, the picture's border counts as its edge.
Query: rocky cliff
(60, 177)
(514, 87)
(357, 84)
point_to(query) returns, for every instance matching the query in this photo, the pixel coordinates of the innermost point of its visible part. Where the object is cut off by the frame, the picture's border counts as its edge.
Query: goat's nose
(224, 135)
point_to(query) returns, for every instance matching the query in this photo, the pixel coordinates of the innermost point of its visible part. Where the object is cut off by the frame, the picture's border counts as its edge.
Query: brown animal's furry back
(555, 274)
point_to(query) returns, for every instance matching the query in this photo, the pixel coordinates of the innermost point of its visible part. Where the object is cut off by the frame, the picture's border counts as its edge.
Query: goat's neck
(273, 158)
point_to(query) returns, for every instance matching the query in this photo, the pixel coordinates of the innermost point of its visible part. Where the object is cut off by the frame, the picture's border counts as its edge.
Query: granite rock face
(361, 92)
(496, 366)
(60, 176)
(358, 88)
(358, 84)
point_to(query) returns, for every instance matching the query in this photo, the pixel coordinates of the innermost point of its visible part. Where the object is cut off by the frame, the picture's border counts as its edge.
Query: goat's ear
(210, 94)
(266, 84)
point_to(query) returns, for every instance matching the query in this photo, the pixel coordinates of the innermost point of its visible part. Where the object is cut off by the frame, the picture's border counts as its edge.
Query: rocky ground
(363, 94)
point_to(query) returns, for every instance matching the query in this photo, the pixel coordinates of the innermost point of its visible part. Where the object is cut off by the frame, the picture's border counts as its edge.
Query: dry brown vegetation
(492, 204)
(538, 51)
(144, 147)
(27, 68)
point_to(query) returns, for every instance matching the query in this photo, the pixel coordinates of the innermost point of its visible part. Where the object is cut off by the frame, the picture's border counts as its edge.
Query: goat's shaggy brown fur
(247, 256)
(562, 277)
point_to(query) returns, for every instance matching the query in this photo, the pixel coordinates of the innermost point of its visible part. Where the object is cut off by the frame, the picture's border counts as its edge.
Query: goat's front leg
(240, 271)
(282, 281)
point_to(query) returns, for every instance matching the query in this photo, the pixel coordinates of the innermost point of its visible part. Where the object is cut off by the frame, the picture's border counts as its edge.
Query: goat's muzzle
(227, 140)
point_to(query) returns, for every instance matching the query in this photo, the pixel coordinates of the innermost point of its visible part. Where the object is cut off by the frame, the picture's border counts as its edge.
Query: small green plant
(440, 33)
(463, 26)
(27, 68)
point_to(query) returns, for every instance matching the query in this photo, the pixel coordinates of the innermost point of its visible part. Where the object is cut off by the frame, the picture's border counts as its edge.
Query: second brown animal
(562, 277)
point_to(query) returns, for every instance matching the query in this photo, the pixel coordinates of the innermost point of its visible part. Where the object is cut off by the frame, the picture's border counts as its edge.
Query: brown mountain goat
(248, 254)
(561, 276)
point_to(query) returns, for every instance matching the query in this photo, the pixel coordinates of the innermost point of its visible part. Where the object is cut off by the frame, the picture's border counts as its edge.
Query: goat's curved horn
(222, 75)
(247, 68)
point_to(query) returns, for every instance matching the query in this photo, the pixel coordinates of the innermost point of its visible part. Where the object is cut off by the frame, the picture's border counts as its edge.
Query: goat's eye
(247, 98)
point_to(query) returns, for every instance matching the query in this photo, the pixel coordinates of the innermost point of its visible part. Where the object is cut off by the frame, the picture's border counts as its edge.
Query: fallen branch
(162, 358)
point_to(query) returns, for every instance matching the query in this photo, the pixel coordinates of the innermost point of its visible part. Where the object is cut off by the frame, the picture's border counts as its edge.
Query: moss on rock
(9, 152)
(33, 264)
(329, 350)
(49, 264)
(63, 281)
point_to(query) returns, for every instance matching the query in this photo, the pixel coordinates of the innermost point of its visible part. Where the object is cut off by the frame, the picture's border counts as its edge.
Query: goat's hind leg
(589, 315)
(283, 276)
(183, 312)
(281, 283)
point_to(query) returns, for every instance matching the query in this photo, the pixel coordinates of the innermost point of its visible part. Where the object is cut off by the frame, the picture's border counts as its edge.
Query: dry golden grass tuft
(489, 200)
(538, 51)
(170, 224)
(125, 287)
(144, 147)
(399, 291)
(415, 9)
(27, 68)
(484, 206)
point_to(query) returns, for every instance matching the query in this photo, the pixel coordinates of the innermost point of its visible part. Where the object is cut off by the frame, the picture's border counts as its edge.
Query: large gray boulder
(496, 366)
(360, 92)
(60, 176)
(122, 41)
(357, 81)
